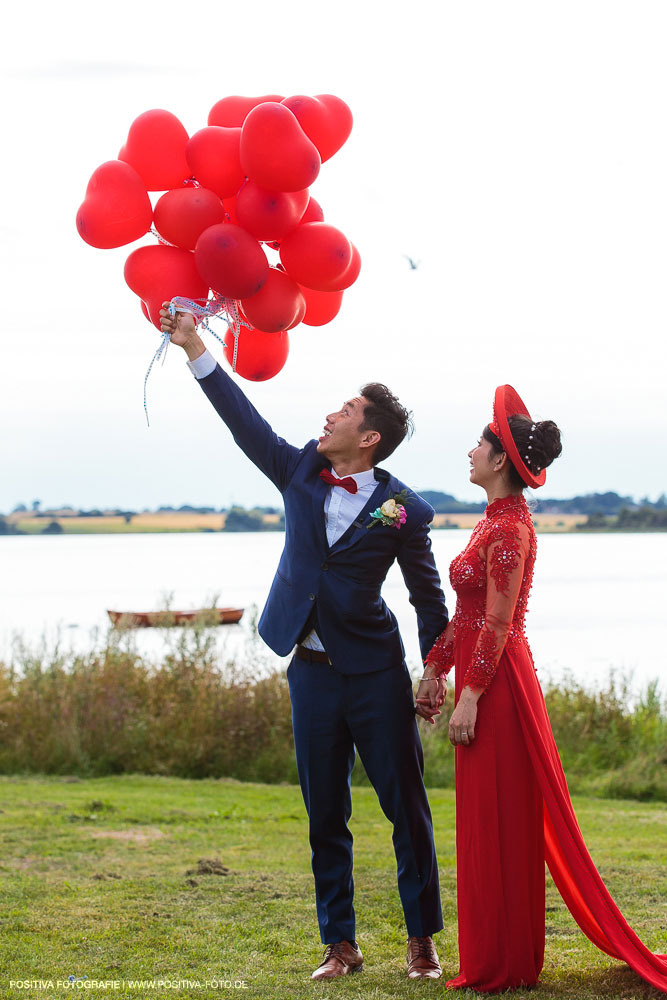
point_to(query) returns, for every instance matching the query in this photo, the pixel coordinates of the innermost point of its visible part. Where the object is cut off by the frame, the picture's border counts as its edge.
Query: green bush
(110, 711)
(196, 715)
(608, 744)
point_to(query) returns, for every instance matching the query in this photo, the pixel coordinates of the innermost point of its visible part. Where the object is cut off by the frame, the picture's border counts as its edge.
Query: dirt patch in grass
(135, 836)
(208, 866)
(25, 864)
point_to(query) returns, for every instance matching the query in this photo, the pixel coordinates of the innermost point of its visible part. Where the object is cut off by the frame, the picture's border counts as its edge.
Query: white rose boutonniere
(392, 512)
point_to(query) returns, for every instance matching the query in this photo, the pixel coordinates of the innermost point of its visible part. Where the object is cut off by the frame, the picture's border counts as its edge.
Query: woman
(513, 810)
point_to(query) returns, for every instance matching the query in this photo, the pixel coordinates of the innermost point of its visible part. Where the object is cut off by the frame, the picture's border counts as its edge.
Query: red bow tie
(348, 483)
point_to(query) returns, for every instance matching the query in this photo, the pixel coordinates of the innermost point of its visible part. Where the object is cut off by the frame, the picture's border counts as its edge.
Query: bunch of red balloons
(232, 189)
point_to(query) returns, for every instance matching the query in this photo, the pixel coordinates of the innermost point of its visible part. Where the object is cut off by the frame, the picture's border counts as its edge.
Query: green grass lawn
(100, 878)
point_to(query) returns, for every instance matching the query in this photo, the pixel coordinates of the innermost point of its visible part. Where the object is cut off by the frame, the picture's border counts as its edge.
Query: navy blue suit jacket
(356, 627)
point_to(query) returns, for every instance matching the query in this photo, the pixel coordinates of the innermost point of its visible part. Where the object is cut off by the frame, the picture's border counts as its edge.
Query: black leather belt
(311, 655)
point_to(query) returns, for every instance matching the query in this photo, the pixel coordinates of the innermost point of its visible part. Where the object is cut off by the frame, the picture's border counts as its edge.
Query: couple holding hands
(346, 520)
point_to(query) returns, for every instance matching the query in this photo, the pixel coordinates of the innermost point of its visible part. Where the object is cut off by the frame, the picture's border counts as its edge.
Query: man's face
(342, 437)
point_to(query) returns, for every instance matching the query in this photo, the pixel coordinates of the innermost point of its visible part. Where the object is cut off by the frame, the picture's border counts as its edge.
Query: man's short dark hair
(383, 413)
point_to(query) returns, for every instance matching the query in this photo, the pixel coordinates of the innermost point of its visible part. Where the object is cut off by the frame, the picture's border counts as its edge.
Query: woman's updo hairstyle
(538, 443)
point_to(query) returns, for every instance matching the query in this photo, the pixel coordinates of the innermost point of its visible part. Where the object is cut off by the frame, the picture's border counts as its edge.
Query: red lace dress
(513, 809)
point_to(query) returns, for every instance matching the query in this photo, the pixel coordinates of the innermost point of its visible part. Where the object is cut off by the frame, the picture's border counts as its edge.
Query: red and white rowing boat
(148, 619)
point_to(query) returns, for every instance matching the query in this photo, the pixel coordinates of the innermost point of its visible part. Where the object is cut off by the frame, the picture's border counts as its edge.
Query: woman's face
(482, 461)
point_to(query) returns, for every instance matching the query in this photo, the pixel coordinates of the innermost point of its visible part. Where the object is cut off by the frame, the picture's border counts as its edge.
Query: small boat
(148, 619)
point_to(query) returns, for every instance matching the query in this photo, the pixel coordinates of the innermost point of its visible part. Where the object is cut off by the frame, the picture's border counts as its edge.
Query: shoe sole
(356, 968)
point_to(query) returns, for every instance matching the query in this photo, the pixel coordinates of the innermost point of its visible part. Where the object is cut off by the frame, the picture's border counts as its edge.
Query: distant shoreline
(173, 521)
(590, 512)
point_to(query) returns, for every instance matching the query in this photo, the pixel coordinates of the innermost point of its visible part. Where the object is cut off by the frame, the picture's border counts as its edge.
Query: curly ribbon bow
(203, 310)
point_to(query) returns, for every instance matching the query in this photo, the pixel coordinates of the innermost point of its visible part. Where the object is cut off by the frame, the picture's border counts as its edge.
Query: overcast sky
(517, 149)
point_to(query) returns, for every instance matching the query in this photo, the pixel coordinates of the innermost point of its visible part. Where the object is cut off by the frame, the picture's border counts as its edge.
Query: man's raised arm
(271, 454)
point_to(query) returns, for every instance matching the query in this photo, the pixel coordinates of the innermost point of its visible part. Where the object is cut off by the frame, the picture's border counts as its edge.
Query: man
(348, 681)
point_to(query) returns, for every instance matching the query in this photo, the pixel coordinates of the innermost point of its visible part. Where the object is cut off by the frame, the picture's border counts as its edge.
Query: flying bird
(414, 264)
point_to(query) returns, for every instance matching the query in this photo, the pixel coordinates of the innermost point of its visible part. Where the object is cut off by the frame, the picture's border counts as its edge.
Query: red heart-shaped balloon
(276, 305)
(158, 273)
(316, 255)
(326, 120)
(269, 215)
(349, 275)
(213, 155)
(182, 215)
(116, 209)
(155, 147)
(275, 151)
(231, 261)
(321, 307)
(260, 355)
(232, 111)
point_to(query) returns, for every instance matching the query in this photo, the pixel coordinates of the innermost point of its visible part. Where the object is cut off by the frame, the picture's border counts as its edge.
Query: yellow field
(178, 522)
(111, 525)
(215, 522)
(543, 522)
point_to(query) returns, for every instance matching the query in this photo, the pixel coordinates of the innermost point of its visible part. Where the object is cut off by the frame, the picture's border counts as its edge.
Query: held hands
(431, 695)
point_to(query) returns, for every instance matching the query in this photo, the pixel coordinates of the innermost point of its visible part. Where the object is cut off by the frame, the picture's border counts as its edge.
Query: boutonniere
(391, 512)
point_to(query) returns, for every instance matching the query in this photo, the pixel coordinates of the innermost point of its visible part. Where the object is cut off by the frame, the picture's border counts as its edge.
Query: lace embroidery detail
(441, 655)
(505, 556)
(504, 537)
(483, 666)
(506, 505)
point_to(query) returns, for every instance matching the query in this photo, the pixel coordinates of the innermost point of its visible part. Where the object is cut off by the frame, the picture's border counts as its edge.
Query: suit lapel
(360, 524)
(318, 495)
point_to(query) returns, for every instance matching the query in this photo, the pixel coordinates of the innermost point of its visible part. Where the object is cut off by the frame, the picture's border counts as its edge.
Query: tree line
(640, 519)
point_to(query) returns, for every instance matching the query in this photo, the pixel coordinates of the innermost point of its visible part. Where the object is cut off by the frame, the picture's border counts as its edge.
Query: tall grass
(606, 746)
(196, 714)
(110, 710)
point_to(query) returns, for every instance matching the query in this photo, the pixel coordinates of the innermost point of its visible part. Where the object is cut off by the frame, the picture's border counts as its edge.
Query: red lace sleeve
(442, 653)
(507, 549)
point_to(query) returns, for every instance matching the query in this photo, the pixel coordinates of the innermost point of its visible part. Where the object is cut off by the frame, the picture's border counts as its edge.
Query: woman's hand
(464, 718)
(431, 695)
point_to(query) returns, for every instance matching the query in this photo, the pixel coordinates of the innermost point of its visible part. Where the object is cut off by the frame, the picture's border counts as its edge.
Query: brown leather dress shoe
(422, 959)
(339, 959)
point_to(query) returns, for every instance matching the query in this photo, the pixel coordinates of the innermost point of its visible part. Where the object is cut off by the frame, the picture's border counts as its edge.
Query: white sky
(518, 149)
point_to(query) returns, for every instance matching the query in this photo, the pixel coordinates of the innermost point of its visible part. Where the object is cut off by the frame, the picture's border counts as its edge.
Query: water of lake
(597, 601)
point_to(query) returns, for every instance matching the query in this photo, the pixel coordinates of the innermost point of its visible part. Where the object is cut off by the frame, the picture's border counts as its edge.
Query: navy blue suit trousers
(331, 714)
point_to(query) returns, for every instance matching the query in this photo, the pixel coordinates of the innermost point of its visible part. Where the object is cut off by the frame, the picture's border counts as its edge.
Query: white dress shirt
(340, 507)
(203, 365)
(340, 510)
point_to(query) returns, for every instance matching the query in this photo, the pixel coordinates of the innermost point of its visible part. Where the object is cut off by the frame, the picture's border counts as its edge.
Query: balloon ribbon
(203, 310)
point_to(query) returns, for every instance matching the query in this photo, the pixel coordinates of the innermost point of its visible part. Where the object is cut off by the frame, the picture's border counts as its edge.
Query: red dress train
(513, 809)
